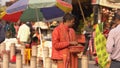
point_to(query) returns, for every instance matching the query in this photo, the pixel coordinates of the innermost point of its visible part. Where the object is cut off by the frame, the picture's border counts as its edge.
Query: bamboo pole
(48, 63)
(81, 11)
(46, 51)
(34, 50)
(33, 61)
(12, 50)
(45, 54)
(5, 61)
(54, 64)
(19, 61)
(2, 47)
(37, 16)
(84, 62)
(22, 53)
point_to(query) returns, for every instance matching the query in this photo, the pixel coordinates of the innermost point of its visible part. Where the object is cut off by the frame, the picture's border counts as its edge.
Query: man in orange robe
(63, 37)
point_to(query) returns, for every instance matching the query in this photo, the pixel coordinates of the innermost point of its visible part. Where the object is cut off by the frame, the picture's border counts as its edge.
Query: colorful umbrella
(2, 14)
(32, 13)
(46, 13)
(12, 17)
(52, 12)
(24, 4)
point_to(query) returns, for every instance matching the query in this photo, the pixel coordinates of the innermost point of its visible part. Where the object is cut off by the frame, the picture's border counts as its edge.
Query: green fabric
(100, 46)
(31, 15)
(41, 3)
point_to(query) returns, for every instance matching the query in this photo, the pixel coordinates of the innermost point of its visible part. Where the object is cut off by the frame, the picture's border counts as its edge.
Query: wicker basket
(76, 49)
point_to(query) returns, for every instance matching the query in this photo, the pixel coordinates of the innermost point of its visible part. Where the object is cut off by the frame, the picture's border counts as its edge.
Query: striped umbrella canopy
(2, 14)
(24, 4)
(33, 10)
(30, 14)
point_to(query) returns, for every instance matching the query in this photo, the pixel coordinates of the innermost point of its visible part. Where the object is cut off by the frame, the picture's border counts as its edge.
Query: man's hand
(73, 43)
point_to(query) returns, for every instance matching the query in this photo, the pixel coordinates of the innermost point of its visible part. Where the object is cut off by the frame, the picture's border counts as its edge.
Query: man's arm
(56, 41)
(110, 42)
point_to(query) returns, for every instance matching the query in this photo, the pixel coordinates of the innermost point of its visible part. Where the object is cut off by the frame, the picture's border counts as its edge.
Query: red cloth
(105, 32)
(33, 44)
(13, 60)
(60, 43)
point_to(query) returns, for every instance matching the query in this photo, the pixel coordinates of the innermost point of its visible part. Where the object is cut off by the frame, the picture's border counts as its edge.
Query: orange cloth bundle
(66, 7)
(81, 38)
(76, 49)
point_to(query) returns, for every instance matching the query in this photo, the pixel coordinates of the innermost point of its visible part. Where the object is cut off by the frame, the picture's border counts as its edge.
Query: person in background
(113, 43)
(16, 26)
(37, 33)
(23, 34)
(32, 30)
(35, 41)
(88, 35)
(63, 36)
(8, 31)
(2, 33)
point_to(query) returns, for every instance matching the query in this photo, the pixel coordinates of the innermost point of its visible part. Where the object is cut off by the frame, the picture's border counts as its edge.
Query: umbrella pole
(40, 36)
(37, 14)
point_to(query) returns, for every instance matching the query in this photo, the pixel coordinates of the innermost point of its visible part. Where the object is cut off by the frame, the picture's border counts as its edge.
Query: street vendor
(63, 36)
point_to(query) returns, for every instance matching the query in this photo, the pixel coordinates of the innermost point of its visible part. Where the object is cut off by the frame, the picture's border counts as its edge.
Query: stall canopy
(115, 1)
(110, 4)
